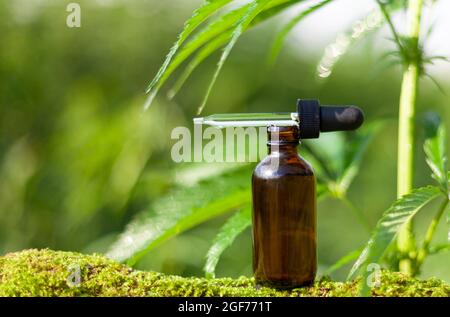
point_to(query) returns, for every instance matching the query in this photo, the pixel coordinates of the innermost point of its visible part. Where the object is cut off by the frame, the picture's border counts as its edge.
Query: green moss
(49, 273)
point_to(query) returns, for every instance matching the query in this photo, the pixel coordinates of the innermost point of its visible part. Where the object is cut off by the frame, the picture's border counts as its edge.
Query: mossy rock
(55, 273)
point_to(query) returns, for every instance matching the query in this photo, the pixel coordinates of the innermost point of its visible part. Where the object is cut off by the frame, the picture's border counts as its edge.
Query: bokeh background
(79, 157)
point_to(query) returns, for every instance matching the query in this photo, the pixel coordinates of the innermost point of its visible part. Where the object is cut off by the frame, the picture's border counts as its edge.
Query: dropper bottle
(284, 214)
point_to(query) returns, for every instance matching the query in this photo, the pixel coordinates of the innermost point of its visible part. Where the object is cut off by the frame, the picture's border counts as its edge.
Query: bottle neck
(282, 140)
(282, 149)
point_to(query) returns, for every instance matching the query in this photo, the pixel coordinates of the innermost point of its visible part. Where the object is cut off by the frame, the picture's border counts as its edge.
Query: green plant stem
(424, 251)
(406, 241)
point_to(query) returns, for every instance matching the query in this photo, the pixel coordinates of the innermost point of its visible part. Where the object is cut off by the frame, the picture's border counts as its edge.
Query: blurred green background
(79, 157)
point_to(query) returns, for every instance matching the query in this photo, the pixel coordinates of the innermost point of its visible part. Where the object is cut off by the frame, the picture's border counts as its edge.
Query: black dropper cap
(315, 118)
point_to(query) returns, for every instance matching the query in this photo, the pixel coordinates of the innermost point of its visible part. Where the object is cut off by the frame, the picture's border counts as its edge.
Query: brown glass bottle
(284, 214)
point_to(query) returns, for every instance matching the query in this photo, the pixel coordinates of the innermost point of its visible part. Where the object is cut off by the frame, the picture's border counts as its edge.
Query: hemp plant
(411, 53)
(188, 206)
(407, 207)
(213, 27)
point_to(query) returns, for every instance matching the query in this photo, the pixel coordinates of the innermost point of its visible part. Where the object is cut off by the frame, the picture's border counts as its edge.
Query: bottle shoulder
(274, 166)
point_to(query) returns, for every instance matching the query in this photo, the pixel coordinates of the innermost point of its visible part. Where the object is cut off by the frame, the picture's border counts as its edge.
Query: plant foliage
(180, 210)
(222, 31)
(406, 207)
(234, 226)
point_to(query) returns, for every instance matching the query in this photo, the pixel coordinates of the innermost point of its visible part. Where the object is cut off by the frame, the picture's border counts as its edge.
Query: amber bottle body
(284, 214)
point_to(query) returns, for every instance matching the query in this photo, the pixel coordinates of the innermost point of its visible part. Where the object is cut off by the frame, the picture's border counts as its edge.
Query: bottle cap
(314, 118)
